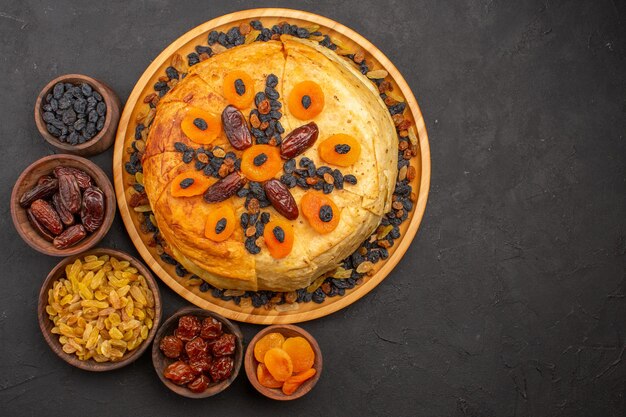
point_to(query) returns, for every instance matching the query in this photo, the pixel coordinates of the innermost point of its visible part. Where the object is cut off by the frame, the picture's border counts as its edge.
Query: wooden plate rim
(405, 240)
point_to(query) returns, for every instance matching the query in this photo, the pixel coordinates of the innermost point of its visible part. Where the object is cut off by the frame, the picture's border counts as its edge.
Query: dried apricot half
(201, 126)
(265, 378)
(340, 149)
(220, 223)
(278, 363)
(238, 89)
(190, 183)
(300, 352)
(261, 162)
(267, 342)
(320, 211)
(278, 236)
(306, 100)
(293, 382)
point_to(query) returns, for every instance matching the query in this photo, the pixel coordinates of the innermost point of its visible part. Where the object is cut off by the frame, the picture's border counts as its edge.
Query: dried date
(179, 373)
(236, 128)
(221, 368)
(64, 214)
(47, 216)
(46, 186)
(82, 178)
(196, 348)
(69, 192)
(201, 363)
(71, 236)
(199, 384)
(38, 227)
(188, 328)
(224, 188)
(225, 345)
(211, 328)
(171, 346)
(92, 209)
(281, 198)
(299, 140)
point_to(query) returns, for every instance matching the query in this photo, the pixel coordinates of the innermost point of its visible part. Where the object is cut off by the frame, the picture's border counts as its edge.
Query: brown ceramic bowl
(103, 139)
(45, 324)
(251, 363)
(161, 361)
(28, 179)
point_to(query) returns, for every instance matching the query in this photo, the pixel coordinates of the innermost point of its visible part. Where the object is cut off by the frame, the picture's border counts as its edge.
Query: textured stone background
(510, 300)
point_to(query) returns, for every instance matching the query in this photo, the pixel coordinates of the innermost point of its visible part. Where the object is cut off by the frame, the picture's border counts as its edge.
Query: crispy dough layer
(352, 106)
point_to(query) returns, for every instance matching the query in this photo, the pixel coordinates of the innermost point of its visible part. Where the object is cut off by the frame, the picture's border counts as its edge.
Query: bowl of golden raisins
(99, 310)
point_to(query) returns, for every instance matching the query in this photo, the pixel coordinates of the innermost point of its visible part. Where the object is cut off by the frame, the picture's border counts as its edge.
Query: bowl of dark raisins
(62, 205)
(78, 114)
(197, 353)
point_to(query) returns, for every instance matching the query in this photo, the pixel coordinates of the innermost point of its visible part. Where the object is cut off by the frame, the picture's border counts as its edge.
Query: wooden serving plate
(185, 45)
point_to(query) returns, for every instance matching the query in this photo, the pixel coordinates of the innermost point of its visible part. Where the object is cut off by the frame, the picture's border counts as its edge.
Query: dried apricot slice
(306, 100)
(293, 382)
(300, 352)
(220, 223)
(320, 211)
(340, 149)
(261, 162)
(278, 236)
(190, 183)
(270, 340)
(238, 89)
(265, 378)
(201, 126)
(278, 363)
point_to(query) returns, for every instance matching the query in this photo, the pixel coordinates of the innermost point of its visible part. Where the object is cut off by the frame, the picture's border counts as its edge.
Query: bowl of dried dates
(62, 205)
(283, 362)
(197, 353)
(78, 114)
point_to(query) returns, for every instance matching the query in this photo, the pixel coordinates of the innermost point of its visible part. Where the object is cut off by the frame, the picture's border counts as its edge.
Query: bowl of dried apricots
(283, 362)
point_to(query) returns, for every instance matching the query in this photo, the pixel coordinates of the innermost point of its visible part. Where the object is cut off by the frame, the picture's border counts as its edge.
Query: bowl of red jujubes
(197, 353)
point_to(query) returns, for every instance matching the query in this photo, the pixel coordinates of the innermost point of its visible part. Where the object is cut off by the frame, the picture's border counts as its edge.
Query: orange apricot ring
(306, 100)
(190, 183)
(340, 149)
(293, 382)
(278, 363)
(201, 126)
(320, 211)
(267, 342)
(238, 89)
(300, 352)
(265, 378)
(278, 235)
(220, 223)
(261, 162)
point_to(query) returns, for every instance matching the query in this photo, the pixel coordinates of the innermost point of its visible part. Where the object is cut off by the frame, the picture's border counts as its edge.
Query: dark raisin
(213, 37)
(289, 166)
(271, 81)
(306, 101)
(260, 227)
(243, 192)
(258, 98)
(328, 188)
(200, 123)
(342, 148)
(275, 114)
(57, 91)
(138, 130)
(186, 183)
(188, 156)
(193, 59)
(204, 287)
(251, 245)
(240, 87)
(220, 226)
(180, 271)
(271, 93)
(326, 213)
(279, 234)
(204, 50)
(257, 25)
(93, 116)
(265, 217)
(172, 73)
(245, 217)
(80, 105)
(260, 159)
(350, 179)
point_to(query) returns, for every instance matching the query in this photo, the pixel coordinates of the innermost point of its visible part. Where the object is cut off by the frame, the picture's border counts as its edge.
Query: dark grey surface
(510, 300)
